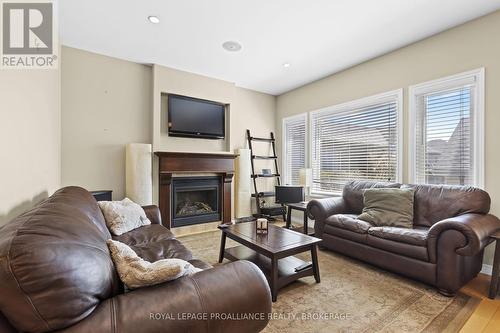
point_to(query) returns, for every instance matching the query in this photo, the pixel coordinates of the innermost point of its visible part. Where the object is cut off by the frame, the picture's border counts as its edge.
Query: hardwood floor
(486, 317)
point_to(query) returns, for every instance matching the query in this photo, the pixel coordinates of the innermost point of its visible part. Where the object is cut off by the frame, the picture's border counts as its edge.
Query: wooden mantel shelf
(195, 162)
(188, 154)
(182, 162)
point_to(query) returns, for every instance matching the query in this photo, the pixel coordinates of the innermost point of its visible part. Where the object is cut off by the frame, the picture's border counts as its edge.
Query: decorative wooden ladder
(265, 211)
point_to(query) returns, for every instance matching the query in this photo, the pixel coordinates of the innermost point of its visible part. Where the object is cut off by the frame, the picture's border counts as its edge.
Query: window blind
(444, 137)
(294, 153)
(360, 143)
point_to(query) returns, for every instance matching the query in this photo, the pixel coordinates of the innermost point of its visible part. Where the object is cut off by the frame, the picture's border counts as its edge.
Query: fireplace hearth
(195, 200)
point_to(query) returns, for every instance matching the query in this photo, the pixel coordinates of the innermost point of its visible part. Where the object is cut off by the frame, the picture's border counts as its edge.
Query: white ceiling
(317, 37)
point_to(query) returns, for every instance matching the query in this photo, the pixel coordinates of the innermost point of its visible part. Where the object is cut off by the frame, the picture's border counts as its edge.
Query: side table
(300, 206)
(495, 276)
(102, 195)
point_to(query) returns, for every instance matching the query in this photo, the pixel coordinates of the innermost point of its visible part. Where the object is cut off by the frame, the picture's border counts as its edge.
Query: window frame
(389, 96)
(442, 84)
(286, 174)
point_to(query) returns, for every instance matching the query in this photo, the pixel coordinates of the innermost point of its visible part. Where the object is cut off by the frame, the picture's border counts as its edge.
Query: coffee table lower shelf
(286, 266)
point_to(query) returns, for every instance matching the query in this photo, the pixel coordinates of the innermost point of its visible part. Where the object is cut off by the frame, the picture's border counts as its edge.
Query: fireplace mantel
(171, 163)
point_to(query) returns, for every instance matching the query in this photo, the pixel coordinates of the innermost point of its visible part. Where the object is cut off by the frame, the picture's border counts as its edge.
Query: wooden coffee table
(272, 253)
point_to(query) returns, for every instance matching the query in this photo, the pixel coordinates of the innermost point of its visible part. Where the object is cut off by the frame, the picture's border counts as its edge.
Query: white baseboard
(487, 269)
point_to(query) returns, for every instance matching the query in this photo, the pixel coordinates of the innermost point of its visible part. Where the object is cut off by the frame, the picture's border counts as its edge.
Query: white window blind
(294, 149)
(358, 141)
(445, 132)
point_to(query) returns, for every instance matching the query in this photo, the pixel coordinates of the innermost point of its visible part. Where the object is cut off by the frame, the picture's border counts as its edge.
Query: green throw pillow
(388, 207)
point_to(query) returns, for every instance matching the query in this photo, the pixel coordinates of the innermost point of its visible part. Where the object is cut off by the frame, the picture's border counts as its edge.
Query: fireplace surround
(175, 166)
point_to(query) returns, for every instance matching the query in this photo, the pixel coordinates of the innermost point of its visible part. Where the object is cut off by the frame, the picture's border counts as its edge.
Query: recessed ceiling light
(231, 46)
(154, 19)
(286, 64)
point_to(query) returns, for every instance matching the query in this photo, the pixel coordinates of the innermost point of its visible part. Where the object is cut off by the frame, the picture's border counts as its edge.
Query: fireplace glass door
(195, 200)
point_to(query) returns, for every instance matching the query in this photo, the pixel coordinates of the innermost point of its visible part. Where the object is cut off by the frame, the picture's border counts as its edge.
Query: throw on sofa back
(55, 266)
(434, 203)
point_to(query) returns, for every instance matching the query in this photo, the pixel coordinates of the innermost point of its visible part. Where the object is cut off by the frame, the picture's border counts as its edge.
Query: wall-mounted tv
(198, 118)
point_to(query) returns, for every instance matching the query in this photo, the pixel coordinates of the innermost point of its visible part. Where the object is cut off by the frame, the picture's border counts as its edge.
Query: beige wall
(106, 103)
(30, 139)
(469, 46)
(248, 109)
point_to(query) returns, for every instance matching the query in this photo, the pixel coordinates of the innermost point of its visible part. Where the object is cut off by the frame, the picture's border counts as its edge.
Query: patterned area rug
(352, 297)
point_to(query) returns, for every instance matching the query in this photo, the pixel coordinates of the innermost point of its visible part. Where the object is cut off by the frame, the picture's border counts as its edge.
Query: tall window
(446, 139)
(357, 140)
(294, 148)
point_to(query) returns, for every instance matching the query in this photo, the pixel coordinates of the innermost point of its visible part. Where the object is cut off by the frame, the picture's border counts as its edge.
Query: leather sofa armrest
(153, 213)
(320, 209)
(231, 298)
(476, 228)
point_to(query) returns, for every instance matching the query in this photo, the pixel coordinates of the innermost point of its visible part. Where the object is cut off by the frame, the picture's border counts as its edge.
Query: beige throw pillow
(136, 272)
(388, 207)
(123, 216)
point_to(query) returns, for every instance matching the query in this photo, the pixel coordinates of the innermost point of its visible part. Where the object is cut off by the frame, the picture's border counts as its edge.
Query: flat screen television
(198, 118)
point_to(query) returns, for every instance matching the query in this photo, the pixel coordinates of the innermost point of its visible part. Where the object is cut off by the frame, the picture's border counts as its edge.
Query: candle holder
(261, 226)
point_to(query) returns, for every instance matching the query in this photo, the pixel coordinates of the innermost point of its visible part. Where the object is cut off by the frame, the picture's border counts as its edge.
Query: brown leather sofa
(444, 249)
(56, 274)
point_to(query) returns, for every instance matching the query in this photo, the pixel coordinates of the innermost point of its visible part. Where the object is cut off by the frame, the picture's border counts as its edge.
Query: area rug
(352, 297)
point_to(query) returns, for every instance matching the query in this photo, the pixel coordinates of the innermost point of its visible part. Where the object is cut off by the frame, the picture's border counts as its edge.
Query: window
(357, 140)
(294, 147)
(446, 123)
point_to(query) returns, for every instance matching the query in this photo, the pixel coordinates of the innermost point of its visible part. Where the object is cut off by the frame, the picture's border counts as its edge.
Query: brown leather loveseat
(444, 248)
(56, 274)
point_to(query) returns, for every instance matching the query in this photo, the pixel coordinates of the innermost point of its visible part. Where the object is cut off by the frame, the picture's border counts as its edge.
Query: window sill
(323, 195)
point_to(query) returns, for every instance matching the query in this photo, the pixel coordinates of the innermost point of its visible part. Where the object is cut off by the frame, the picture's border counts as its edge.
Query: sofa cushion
(434, 203)
(388, 207)
(403, 249)
(348, 222)
(403, 235)
(353, 193)
(344, 233)
(155, 242)
(145, 234)
(170, 248)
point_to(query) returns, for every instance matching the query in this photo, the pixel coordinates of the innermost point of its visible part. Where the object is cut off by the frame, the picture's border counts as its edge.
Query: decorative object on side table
(495, 276)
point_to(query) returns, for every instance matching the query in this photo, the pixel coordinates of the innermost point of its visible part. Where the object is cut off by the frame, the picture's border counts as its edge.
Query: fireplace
(195, 200)
(174, 165)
